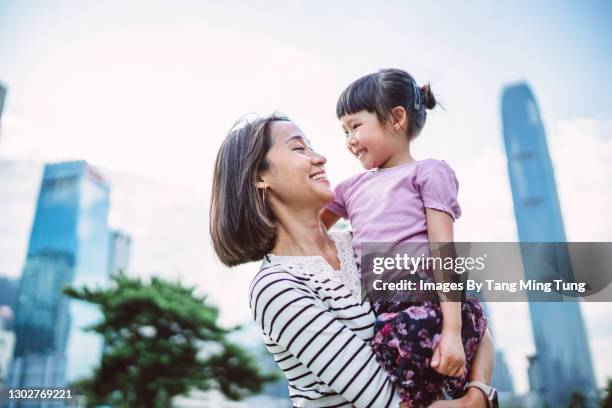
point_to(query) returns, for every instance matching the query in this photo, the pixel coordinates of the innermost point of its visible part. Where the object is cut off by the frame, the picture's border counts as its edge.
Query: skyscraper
(7, 340)
(562, 363)
(68, 246)
(502, 379)
(2, 95)
(119, 252)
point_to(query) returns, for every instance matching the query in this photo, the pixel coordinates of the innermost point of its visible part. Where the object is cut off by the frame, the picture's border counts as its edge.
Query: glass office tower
(562, 363)
(2, 96)
(119, 252)
(69, 245)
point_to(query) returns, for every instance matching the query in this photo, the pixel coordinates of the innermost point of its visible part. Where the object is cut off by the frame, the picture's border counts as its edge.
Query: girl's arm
(329, 218)
(482, 371)
(448, 359)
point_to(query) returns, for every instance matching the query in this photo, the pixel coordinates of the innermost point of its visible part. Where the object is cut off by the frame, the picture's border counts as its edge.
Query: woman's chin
(327, 196)
(322, 185)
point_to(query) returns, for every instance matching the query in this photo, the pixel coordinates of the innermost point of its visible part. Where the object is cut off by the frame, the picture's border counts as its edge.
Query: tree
(607, 400)
(155, 334)
(577, 400)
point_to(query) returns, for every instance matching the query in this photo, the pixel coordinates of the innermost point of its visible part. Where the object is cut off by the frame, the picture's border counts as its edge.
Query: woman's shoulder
(269, 267)
(274, 276)
(284, 271)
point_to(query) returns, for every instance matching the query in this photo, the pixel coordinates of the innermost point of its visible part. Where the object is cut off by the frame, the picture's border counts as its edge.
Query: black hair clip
(417, 96)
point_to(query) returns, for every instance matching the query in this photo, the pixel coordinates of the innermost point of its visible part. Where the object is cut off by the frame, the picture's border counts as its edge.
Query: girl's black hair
(382, 91)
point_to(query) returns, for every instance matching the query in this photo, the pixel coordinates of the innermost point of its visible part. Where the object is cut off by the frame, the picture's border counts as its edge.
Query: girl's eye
(299, 148)
(356, 126)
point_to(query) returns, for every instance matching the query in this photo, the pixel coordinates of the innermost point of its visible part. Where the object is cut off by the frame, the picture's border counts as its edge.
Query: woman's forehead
(286, 131)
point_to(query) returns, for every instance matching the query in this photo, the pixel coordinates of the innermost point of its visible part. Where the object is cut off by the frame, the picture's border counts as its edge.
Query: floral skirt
(406, 335)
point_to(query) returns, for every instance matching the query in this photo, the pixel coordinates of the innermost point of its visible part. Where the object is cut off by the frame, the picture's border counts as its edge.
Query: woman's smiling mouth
(320, 177)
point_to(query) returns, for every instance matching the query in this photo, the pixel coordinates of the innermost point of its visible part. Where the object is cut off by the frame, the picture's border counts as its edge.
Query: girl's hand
(449, 356)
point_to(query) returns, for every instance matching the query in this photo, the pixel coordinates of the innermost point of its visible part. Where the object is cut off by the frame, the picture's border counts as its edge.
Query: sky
(147, 90)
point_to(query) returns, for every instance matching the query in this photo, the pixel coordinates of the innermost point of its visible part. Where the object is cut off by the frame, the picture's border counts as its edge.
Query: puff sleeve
(439, 187)
(338, 206)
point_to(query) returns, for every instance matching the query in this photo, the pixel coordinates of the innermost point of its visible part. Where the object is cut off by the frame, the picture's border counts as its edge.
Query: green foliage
(577, 400)
(606, 402)
(154, 333)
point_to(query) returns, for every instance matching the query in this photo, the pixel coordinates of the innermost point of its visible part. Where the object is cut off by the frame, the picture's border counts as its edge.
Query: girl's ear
(399, 117)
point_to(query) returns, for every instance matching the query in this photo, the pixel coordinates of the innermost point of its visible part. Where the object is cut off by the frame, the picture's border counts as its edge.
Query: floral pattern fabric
(405, 336)
(406, 333)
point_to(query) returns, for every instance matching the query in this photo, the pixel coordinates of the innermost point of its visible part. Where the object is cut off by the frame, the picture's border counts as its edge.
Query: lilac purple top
(388, 205)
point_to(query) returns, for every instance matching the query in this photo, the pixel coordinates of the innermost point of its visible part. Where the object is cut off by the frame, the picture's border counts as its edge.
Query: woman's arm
(296, 319)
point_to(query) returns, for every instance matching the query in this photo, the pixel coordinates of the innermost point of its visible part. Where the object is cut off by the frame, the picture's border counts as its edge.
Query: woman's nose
(318, 158)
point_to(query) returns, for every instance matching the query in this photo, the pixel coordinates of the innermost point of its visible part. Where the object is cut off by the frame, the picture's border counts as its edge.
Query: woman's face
(295, 176)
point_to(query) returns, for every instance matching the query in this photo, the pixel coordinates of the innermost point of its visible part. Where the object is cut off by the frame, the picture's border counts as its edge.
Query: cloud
(581, 152)
(19, 184)
(169, 229)
(168, 226)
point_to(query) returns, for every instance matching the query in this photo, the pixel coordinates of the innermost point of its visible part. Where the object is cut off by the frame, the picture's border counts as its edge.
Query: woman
(269, 188)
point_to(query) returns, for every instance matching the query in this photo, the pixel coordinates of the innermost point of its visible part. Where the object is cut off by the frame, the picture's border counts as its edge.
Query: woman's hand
(449, 356)
(474, 398)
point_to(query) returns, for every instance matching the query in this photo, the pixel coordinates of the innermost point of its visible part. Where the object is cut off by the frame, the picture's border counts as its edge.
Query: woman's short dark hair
(242, 226)
(382, 91)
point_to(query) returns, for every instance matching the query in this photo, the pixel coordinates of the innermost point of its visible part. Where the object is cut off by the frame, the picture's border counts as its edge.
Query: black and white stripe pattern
(319, 335)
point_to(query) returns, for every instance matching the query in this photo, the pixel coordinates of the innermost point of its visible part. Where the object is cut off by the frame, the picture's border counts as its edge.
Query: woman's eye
(356, 126)
(299, 148)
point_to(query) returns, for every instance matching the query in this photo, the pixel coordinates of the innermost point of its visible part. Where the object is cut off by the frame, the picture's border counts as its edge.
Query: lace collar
(315, 265)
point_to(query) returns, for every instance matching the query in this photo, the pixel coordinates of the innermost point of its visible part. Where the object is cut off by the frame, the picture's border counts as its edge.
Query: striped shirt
(319, 333)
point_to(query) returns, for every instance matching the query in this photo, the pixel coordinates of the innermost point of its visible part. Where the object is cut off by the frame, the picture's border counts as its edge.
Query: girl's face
(369, 140)
(296, 176)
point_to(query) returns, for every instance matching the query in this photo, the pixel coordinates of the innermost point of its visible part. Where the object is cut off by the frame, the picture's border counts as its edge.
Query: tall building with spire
(562, 363)
(2, 97)
(69, 245)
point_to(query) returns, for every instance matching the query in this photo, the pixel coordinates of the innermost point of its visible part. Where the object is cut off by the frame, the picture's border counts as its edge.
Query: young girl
(427, 346)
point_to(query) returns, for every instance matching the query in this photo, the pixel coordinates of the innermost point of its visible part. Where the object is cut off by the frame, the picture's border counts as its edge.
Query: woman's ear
(259, 181)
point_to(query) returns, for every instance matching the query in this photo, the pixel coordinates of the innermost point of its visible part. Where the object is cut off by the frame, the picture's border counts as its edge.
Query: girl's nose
(352, 140)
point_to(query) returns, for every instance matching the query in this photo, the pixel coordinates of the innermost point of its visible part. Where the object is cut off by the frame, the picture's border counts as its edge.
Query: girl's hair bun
(428, 97)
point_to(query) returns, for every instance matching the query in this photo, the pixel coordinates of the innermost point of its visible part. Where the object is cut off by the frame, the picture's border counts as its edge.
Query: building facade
(562, 364)
(69, 245)
(119, 252)
(2, 97)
